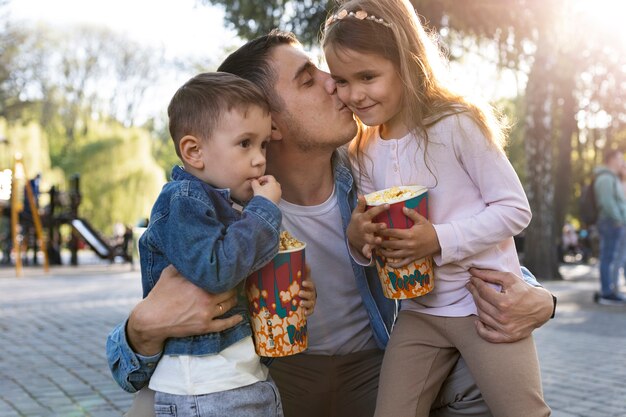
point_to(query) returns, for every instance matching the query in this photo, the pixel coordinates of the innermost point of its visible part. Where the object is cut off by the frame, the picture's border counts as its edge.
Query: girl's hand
(308, 293)
(362, 233)
(406, 245)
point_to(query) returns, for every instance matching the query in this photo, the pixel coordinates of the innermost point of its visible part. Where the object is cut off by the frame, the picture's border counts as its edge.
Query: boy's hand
(267, 186)
(308, 294)
(407, 245)
(362, 233)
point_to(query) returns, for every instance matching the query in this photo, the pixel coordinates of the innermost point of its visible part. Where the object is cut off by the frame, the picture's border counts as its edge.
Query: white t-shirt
(236, 366)
(340, 324)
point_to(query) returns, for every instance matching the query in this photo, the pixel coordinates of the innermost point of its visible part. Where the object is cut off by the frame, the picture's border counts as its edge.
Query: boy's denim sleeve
(209, 254)
(530, 278)
(130, 370)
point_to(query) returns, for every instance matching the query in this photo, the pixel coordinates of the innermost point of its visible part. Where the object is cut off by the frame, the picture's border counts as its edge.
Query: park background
(90, 98)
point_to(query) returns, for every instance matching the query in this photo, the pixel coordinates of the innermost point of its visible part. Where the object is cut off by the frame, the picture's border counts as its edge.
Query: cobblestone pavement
(582, 351)
(54, 327)
(53, 331)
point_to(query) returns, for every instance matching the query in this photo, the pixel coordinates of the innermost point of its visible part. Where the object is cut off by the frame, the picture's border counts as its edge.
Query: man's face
(312, 116)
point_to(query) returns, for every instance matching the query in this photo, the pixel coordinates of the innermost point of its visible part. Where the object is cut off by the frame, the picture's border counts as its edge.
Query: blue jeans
(611, 258)
(259, 399)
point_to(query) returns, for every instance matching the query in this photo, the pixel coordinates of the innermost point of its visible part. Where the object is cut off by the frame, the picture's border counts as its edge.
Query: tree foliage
(12, 78)
(251, 18)
(119, 177)
(84, 72)
(68, 103)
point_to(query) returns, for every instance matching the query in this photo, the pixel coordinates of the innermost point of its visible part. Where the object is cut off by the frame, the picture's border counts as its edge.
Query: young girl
(419, 132)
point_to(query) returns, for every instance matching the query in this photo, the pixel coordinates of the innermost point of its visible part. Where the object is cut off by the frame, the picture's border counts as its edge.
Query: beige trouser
(422, 351)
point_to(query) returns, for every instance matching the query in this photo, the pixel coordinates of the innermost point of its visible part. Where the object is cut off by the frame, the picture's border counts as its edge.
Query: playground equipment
(99, 245)
(19, 172)
(82, 229)
(25, 213)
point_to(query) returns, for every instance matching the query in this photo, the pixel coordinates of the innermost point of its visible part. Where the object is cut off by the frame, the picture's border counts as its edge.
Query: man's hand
(177, 308)
(511, 314)
(308, 294)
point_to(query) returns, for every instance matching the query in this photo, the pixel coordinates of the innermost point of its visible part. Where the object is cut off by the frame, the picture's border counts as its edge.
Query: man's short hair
(199, 104)
(251, 61)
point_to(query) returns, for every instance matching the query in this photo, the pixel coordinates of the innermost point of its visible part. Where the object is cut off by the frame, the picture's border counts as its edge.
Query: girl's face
(371, 87)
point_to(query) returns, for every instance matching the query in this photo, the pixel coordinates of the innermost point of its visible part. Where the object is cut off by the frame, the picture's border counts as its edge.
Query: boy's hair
(199, 104)
(393, 31)
(251, 61)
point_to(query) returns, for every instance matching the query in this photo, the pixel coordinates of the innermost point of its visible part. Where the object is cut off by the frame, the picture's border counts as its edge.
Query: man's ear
(276, 134)
(191, 151)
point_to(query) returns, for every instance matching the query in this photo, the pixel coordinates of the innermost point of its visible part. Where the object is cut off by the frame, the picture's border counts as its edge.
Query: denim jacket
(194, 227)
(381, 310)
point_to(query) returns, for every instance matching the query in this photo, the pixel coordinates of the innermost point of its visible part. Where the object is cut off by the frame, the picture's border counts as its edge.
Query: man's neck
(306, 179)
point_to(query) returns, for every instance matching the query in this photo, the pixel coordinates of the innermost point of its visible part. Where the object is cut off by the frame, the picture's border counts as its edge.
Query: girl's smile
(370, 86)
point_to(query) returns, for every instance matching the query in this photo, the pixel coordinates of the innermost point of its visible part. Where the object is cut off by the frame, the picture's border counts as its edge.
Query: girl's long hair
(418, 60)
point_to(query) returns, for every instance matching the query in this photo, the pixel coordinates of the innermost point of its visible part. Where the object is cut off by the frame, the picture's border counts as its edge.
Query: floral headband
(359, 14)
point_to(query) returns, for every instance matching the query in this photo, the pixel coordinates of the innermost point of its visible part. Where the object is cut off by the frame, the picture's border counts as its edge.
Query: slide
(93, 238)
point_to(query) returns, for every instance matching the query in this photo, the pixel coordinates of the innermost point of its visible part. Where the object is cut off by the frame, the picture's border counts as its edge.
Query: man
(611, 224)
(338, 374)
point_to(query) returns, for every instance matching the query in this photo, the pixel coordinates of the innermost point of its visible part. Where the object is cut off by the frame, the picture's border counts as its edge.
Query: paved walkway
(583, 350)
(53, 330)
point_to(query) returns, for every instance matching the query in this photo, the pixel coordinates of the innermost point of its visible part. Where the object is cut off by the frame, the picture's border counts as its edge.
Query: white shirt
(236, 366)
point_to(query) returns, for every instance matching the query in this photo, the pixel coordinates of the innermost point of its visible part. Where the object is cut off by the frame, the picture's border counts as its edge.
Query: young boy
(220, 125)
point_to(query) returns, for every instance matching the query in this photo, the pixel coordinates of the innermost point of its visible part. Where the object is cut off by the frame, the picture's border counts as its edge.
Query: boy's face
(235, 153)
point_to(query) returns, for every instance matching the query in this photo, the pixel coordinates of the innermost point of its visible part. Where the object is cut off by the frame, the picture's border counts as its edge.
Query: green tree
(252, 18)
(162, 145)
(12, 70)
(81, 74)
(119, 177)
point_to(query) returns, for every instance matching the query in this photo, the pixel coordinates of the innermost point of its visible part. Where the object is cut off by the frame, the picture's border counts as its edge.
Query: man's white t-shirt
(340, 324)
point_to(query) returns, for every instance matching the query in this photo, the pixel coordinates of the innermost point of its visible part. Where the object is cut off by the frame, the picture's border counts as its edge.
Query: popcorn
(277, 318)
(390, 194)
(287, 242)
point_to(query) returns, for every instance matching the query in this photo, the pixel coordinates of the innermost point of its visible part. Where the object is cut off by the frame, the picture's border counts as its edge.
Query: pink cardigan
(476, 203)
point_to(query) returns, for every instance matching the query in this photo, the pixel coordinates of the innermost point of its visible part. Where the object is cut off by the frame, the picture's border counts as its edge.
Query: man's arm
(174, 308)
(514, 312)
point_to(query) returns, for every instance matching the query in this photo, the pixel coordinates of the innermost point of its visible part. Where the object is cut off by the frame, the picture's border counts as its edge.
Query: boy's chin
(242, 197)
